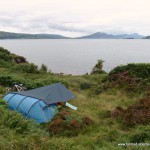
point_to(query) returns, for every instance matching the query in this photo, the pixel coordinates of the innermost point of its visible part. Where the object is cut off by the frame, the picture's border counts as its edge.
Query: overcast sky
(75, 17)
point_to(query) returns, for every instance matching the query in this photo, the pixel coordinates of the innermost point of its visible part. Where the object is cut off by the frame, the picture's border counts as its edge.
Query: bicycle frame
(19, 88)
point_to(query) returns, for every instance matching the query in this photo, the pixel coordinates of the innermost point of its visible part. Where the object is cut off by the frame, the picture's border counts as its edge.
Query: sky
(75, 18)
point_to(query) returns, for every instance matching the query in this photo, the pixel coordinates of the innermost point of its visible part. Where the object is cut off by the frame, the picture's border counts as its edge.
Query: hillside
(9, 35)
(148, 37)
(112, 108)
(101, 35)
(97, 35)
(129, 36)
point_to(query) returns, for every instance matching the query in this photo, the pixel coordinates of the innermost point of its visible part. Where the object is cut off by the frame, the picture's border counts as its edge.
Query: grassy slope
(105, 133)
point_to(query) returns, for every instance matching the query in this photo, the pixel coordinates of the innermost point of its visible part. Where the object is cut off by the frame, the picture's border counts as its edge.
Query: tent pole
(21, 102)
(31, 107)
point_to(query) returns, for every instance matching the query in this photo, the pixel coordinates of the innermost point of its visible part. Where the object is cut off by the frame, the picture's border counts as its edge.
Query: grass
(104, 134)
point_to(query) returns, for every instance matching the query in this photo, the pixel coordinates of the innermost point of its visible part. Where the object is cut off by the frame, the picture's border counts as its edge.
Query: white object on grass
(71, 106)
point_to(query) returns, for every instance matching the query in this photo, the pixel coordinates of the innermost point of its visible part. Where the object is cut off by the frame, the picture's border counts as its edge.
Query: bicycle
(15, 87)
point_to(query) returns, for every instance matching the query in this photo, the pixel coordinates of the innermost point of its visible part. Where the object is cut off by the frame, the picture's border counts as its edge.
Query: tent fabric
(50, 94)
(31, 108)
(38, 104)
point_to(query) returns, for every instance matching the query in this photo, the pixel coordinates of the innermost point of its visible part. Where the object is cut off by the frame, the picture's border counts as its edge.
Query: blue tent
(38, 104)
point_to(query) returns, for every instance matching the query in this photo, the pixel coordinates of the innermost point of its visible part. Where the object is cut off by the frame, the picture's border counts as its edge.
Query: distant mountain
(98, 35)
(9, 35)
(129, 36)
(147, 37)
(101, 35)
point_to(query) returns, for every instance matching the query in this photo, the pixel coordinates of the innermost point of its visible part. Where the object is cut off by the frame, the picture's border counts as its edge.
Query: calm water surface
(79, 56)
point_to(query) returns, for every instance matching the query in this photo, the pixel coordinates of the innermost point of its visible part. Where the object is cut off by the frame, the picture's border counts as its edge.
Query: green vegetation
(112, 108)
(138, 70)
(98, 68)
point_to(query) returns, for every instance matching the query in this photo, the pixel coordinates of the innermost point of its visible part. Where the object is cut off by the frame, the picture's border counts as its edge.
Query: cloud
(24, 22)
(75, 17)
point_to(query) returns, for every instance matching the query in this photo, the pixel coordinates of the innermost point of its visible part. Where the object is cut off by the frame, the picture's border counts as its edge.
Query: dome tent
(38, 104)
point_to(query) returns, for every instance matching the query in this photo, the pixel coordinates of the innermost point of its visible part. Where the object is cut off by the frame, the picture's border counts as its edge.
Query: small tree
(32, 68)
(98, 68)
(43, 68)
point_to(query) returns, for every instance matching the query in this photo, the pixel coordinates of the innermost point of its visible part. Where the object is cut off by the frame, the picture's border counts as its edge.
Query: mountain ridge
(147, 37)
(102, 35)
(11, 35)
(97, 35)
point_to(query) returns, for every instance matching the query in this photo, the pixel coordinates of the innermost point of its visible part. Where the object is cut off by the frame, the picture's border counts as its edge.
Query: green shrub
(32, 68)
(26, 68)
(43, 68)
(5, 54)
(4, 64)
(131, 77)
(85, 85)
(98, 68)
(141, 135)
(141, 70)
(6, 80)
(3, 104)
(2, 50)
(18, 59)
